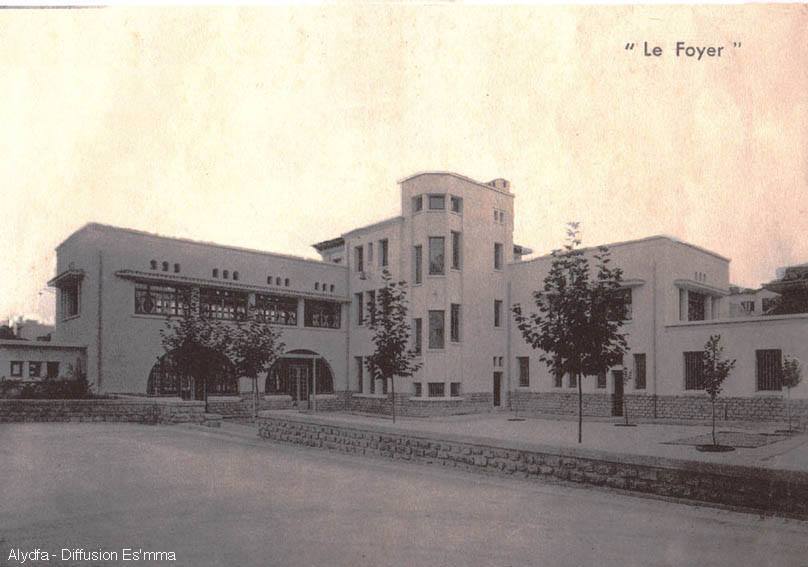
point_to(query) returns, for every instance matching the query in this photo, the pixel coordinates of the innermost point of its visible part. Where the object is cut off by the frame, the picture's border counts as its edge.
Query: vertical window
(286, 282)
(165, 266)
(360, 309)
(52, 370)
(383, 250)
(153, 264)
(436, 389)
(456, 247)
(359, 374)
(497, 256)
(316, 286)
(601, 380)
(277, 281)
(639, 371)
(176, 268)
(558, 379)
(359, 259)
(370, 253)
(235, 275)
(321, 314)
(454, 323)
(524, 371)
(454, 389)
(621, 309)
(769, 369)
(417, 389)
(497, 312)
(372, 306)
(436, 329)
(417, 203)
(573, 380)
(70, 294)
(695, 306)
(16, 368)
(436, 255)
(225, 274)
(457, 204)
(34, 369)
(694, 370)
(437, 202)
(418, 333)
(417, 261)
(269, 280)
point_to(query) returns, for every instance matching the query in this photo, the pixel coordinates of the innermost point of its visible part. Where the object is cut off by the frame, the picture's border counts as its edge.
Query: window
(161, 300)
(34, 369)
(601, 380)
(269, 280)
(165, 266)
(695, 306)
(417, 203)
(769, 369)
(52, 370)
(436, 329)
(639, 371)
(417, 389)
(457, 205)
(222, 304)
(277, 281)
(454, 323)
(497, 256)
(235, 275)
(226, 274)
(370, 253)
(360, 309)
(497, 312)
(359, 259)
(454, 389)
(383, 249)
(437, 202)
(285, 282)
(748, 306)
(558, 379)
(621, 309)
(456, 243)
(16, 368)
(524, 371)
(573, 380)
(694, 370)
(215, 273)
(321, 314)
(372, 306)
(153, 264)
(436, 255)
(316, 286)
(276, 309)
(418, 332)
(176, 268)
(360, 374)
(436, 389)
(417, 261)
(70, 294)
(331, 288)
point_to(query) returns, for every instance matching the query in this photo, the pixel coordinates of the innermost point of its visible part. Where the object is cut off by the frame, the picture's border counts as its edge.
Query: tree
(577, 327)
(252, 345)
(391, 335)
(627, 377)
(7, 333)
(792, 376)
(193, 344)
(715, 370)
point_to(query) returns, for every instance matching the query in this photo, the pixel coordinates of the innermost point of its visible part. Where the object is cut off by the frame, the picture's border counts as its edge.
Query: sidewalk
(646, 439)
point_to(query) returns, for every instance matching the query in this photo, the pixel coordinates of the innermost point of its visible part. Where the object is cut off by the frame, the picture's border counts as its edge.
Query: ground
(222, 499)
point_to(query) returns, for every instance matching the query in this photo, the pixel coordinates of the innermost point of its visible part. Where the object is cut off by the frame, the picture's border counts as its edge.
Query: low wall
(695, 407)
(123, 410)
(779, 492)
(406, 405)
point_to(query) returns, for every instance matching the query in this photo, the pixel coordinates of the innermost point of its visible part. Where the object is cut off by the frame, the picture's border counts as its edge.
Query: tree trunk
(255, 398)
(788, 407)
(714, 441)
(580, 408)
(393, 391)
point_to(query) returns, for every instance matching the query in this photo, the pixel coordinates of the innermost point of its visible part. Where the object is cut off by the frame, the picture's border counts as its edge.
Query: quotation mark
(629, 46)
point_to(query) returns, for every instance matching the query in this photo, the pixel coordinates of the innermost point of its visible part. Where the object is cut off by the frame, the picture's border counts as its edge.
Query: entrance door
(497, 389)
(299, 379)
(617, 397)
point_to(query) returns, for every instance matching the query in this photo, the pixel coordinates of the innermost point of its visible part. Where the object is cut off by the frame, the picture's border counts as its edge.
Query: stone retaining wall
(406, 405)
(779, 492)
(118, 410)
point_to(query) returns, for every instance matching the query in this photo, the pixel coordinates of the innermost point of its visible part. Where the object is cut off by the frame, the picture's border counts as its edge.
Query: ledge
(371, 396)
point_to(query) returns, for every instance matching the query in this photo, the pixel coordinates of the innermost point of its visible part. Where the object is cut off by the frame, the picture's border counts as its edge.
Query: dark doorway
(497, 389)
(617, 397)
(300, 378)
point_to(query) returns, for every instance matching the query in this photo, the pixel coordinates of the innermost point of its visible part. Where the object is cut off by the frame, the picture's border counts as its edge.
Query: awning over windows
(67, 277)
(698, 287)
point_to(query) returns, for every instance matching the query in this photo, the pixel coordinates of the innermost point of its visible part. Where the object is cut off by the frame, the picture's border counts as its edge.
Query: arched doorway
(211, 375)
(294, 375)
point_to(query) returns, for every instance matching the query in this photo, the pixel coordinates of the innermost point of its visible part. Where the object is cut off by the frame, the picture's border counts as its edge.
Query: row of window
(572, 381)
(165, 265)
(324, 287)
(499, 216)
(437, 202)
(36, 369)
(383, 255)
(768, 370)
(227, 305)
(278, 281)
(225, 274)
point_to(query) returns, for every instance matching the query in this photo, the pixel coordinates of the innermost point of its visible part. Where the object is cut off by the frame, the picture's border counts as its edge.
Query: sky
(277, 127)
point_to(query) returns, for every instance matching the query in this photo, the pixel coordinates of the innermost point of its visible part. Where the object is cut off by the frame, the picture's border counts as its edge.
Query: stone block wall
(561, 403)
(771, 491)
(406, 405)
(124, 410)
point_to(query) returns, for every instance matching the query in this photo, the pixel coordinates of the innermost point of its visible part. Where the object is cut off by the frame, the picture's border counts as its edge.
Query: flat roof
(458, 176)
(38, 344)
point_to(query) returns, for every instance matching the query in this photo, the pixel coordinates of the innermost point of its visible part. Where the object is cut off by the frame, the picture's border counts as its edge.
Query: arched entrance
(295, 373)
(211, 375)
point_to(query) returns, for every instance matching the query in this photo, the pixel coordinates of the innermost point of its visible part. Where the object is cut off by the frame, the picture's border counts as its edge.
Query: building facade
(453, 245)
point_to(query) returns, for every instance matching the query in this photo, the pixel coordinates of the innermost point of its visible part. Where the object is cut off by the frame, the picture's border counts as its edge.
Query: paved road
(218, 500)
